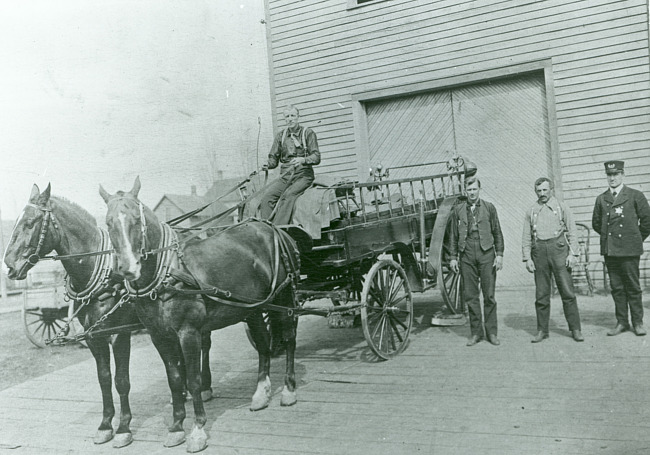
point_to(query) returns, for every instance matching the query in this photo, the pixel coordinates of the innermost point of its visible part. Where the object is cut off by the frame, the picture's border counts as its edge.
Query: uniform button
(620, 225)
(619, 235)
(608, 214)
(610, 233)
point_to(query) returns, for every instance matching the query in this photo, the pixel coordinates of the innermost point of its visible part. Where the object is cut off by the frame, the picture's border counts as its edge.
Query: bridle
(48, 217)
(143, 226)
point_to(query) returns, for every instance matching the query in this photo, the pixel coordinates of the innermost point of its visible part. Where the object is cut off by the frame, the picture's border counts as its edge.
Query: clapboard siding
(324, 56)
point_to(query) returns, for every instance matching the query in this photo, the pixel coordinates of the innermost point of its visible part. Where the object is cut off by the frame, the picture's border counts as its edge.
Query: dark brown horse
(50, 223)
(237, 267)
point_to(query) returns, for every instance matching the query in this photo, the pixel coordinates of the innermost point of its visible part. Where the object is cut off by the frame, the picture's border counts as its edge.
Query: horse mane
(83, 213)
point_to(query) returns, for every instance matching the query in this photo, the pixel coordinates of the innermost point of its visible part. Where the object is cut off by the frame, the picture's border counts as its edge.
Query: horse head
(127, 229)
(32, 236)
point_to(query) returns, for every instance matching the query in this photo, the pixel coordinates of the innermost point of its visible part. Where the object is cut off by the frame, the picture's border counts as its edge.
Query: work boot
(577, 335)
(473, 340)
(640, 330)
(620, 328)
(541, 336)
(492, 338)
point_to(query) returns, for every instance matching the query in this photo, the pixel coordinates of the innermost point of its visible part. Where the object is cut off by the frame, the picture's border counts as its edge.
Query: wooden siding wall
(323, 53)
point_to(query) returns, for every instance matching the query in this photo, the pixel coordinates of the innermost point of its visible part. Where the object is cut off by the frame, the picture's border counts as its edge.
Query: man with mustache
(550, 249)
(622, 218)
(295, 149)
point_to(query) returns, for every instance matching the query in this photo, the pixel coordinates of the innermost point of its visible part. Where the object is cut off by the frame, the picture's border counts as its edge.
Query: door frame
(360, 119)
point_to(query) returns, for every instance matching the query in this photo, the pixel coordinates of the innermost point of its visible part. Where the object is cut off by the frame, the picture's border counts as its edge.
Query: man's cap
(613, 167)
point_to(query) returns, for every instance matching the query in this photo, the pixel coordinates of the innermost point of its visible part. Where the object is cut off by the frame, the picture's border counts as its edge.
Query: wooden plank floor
(438, 397)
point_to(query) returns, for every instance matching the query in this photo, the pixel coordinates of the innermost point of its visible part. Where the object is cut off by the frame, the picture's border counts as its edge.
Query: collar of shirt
(469, 204)
(617, 189)
(551, 204)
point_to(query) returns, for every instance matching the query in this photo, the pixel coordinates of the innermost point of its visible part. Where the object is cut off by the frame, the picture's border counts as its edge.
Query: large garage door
(500, 125)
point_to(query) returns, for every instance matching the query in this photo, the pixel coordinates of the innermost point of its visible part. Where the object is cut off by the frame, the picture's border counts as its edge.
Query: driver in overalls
(295, 149)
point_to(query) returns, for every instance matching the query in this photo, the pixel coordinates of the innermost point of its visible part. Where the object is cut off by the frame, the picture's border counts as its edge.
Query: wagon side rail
(364, 202)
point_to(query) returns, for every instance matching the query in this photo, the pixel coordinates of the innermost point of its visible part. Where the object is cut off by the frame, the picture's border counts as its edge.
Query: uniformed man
(477, 243)
(622, 218)
(550, 249)
(295, 149)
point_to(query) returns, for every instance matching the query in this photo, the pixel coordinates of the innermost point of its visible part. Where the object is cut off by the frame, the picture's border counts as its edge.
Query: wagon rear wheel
(42, 323)
(387, 310)
(449, 283)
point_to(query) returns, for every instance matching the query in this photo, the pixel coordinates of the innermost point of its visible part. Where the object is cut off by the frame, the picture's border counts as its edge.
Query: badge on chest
(618, 210)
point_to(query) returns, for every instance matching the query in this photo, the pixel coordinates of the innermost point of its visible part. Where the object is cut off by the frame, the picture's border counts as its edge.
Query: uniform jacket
(623, 224)
(489, 228)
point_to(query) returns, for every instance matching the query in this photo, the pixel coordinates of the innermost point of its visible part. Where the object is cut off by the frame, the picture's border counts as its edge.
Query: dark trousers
(283, 193)
(549, 257)
(477, 266)
(624, 280)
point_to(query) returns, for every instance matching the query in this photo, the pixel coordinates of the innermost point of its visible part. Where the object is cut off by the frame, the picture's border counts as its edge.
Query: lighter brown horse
(243, 262)
(49, 224)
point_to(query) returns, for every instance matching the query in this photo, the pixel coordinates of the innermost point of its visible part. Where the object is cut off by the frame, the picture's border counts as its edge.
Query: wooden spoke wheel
(41, 324)
(449, 284)
(387, 311)
(447, 281)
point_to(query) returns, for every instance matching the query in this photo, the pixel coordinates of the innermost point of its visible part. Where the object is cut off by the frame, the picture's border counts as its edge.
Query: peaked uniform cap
(613, 167)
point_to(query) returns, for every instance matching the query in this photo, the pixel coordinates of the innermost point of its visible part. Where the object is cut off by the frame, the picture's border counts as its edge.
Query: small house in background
(222, 195)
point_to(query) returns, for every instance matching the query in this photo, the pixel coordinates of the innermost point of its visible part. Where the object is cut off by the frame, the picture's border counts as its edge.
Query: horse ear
(104, 194)
(45, 195)
(35, 193)
(136, 187)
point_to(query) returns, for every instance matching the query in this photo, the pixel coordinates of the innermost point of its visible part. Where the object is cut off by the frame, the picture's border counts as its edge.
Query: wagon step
(446, 319)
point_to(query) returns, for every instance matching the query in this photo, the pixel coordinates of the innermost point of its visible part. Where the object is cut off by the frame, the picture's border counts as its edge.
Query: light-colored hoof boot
(260, 401)
(122, 440)
(288, 398)
(197, 441)
(174, 438)
(206, 395)
(103, 436)
(262, 396)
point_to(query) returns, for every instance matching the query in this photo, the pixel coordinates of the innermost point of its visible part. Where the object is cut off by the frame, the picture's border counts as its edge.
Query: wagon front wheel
(387, 309)
(42, 323)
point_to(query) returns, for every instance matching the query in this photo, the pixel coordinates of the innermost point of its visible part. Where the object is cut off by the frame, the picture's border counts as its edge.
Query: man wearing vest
(296, 150)
(550, 248)
(477, 243)
(622, 218)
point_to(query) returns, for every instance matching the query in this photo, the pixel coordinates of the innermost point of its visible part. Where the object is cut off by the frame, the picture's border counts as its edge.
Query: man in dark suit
(477, 242)
(622, 218)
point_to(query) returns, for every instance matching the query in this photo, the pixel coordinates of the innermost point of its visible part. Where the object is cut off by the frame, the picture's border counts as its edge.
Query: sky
(104, 91)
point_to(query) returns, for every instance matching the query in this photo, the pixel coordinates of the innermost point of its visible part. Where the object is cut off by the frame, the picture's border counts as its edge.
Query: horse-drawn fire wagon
(380, 242)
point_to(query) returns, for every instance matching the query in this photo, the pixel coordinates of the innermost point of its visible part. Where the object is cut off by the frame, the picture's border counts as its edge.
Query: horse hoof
(262, 396)
(122, 440)
(103, 436)
(174, 438)
(259, 402)
(288, 397)
(206, 395)
(197, 441)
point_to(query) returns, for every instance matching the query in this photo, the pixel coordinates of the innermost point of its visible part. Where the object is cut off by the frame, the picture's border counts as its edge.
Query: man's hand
(297, 161)
(571, 261)
(265, 167)
(498, 263)
(453, 264)
(530, 265)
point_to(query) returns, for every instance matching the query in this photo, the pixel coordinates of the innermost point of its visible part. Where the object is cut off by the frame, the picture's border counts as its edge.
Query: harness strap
(100, 274)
